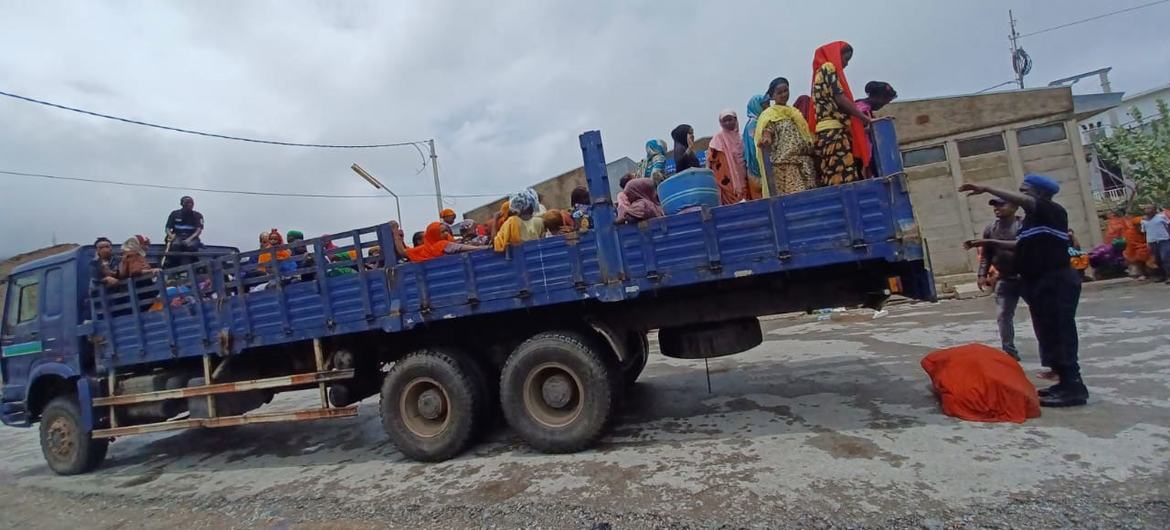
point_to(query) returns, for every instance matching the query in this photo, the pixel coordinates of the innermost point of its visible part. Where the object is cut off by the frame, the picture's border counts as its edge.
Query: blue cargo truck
(546, 335)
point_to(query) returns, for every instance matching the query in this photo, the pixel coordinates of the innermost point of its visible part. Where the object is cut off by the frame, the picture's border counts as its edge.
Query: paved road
(826, 423)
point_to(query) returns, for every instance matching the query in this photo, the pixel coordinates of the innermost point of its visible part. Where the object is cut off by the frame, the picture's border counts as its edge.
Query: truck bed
(865, 222)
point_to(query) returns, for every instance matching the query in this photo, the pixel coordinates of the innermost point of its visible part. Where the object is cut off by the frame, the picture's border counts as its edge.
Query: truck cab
(46, 354)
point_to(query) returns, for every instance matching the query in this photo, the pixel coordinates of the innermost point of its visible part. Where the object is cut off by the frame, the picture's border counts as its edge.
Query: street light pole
(377, 184)
(435, 172)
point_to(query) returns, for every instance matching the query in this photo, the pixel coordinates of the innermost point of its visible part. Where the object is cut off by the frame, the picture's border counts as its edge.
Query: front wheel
(558, 391)
(67, 448)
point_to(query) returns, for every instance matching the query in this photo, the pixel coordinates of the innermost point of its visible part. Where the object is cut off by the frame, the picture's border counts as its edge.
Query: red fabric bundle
(980, 383)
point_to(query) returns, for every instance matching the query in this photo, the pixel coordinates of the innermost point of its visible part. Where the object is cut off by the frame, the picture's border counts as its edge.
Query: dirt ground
(827, 424)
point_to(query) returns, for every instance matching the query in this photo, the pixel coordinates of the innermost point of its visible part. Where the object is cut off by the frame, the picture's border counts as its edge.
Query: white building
(1106, 179)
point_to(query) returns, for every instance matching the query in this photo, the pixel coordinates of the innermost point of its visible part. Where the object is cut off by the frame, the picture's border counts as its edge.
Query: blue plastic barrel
(693, 187)
(886, 154)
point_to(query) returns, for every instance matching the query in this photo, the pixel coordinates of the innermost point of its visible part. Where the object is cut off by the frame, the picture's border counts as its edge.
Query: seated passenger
(301, 257)
(469, 234)
(447, 216)
(641, 202)
(522, 223)
(437, 241)
(581, 207)
(416, 239)
(374, 259)
(558, 222)
(134, 262)
(282, 255)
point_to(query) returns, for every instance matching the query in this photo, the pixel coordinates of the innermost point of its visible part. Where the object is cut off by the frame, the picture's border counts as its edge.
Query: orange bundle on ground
(980, 383)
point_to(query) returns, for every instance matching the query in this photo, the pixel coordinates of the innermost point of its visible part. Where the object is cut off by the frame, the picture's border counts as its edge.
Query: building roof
(1147, 92)
(1087, 105)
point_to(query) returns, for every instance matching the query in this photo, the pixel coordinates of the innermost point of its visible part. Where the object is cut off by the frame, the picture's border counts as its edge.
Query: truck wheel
(558, 392)
(429, 406)
(67, 448)
(638, 350)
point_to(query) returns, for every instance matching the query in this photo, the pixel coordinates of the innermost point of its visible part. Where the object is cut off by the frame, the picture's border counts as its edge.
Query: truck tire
(558, 391)
(67, 449)
(638, 351)
(429, 405)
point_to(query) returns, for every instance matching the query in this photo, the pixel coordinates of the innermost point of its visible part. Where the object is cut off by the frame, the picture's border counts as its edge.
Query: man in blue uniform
(184, 226)
(1050, 285)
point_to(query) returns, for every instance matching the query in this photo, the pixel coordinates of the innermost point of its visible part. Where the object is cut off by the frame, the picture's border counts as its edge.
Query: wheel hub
(554, 395)
(424, 407)
(61, 438)
(557, 390)
(430, 404)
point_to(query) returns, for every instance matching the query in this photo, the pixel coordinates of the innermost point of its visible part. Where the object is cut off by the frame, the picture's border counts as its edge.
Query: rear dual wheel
(558, 391)
(434, 404)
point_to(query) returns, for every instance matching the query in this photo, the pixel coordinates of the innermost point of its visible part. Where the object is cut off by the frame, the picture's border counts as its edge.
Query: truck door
(22, 342)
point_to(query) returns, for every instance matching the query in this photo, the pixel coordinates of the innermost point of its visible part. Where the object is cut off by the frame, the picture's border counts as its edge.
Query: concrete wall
(948, 218)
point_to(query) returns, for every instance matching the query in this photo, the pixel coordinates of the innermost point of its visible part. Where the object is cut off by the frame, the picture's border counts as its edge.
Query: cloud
(504, 88)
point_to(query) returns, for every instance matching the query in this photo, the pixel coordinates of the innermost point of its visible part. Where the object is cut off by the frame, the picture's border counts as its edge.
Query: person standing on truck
(842, 147)
(654, 166)
(725, 159)
(184, 226)
(1050, 285)
(878, 94)
(1005, 283)
(684, 149)
(104, 267)
(784, 144)
(755, 107)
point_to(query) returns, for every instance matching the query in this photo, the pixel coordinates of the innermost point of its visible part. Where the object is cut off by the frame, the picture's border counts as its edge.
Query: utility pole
(1016, 60)
(435, 172)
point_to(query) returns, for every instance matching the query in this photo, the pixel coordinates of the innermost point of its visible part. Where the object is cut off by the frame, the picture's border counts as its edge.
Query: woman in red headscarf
(437, 241)
(841, 144)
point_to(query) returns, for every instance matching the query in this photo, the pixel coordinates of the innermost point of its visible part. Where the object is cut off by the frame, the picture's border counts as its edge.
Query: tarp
(980, 383)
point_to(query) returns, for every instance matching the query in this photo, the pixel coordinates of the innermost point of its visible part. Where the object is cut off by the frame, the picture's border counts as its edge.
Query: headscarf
(465, 226)
(263, 239)
(525, 200)
(281, 254)
(505, 211)
(1043, 184)
(643, 201)
(831, 53)
(446, 212)
(295, 235)
(655, 157)
(433, 244)
(802, 104)
(136, 245)
(755, 106)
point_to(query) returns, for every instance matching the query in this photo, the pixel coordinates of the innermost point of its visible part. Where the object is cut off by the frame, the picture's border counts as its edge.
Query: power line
(234, 192)
(211, 135)
(1090, 19)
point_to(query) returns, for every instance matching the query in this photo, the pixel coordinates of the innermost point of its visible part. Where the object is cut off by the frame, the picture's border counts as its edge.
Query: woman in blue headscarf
(654, 166)
(755, 107)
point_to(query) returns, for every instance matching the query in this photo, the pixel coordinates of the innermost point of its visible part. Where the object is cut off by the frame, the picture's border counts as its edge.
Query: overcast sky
(503, 87)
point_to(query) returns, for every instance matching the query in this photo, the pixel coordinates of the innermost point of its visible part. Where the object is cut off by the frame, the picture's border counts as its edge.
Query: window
(1053, 132)
(53, 294)
(981, 145)
(22, 302)
(924, 156)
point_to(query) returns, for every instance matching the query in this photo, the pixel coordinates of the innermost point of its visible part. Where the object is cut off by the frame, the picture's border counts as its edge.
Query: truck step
(226, 388)
(228, 421)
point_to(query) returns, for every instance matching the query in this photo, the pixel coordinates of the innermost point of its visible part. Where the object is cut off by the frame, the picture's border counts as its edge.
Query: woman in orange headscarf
(437, 241)
(1137, 250)
(841, 145)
